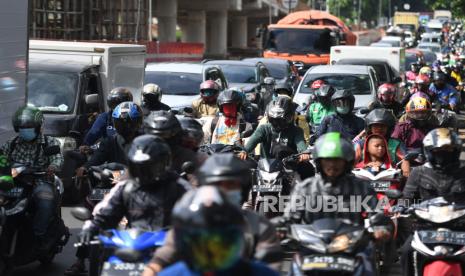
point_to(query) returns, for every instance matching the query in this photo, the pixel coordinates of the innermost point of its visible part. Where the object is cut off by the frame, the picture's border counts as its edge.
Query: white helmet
(151, 92)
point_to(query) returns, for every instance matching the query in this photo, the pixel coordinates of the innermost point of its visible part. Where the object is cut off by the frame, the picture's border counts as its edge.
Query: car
(409, 38)
(361, 79)
(248, 76)
(180, 82)
(429, 57)
(280, 69)
(433, 47)
(380, 44)
(395, 41)
(430, 38)
(413, 56)
(385, 73)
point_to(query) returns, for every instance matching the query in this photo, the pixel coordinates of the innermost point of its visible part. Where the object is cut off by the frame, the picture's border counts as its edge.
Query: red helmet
(209, 91)
(317, 84)
(387, 93)
(422, 82)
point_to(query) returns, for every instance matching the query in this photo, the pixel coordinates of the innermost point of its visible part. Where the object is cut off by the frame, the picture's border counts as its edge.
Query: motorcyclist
(418, 122)
(206, 104)
(441, 176)
(209, 234)
(127, 118)
(28, 149)
(232, 176)
(343, 120)
(281, 88)
(421, 86)
(457, 72)
(412, 74)
(321, 107)
(151, 99)
(280, 130)
(165, 125)
(192, 137)
(386, 98)
(444, 93)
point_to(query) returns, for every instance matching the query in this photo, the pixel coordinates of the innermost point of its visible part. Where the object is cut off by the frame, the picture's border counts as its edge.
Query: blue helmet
(127, 119)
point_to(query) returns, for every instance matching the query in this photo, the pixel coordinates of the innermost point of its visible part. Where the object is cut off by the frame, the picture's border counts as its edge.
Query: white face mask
(235, 197)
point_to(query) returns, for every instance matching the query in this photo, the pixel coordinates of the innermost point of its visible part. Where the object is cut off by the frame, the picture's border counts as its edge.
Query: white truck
(13, 61)
(443, 15)
(70, 81)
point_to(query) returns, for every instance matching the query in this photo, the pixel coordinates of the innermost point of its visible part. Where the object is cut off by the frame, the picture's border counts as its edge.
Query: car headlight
(67, 143)
(342, 242)
(439, 214)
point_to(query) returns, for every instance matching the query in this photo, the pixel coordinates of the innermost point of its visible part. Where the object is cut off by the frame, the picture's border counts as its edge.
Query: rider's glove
(87, 235)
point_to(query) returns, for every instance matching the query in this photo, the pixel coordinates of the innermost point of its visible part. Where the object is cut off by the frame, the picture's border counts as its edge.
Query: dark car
(280, 69)
(384, 71)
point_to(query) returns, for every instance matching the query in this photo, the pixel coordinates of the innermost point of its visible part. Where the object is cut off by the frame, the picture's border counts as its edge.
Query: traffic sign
(289, 4)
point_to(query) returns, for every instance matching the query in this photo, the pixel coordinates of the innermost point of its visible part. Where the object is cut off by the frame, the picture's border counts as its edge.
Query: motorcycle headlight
(439, 214)
(343, 242)
(269, 178)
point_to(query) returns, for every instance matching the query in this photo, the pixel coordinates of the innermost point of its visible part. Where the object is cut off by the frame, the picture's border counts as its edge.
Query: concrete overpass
(218, 24)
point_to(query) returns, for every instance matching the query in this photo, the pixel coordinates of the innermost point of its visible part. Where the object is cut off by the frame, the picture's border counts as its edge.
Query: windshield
(175, 83)
(360, 84)
(277, 71)
(52, 92)
(239, 73)
(300, 41)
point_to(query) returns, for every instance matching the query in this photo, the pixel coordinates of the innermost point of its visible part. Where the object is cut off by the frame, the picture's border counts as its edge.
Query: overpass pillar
(239, 32)
(194, 29)
(167, 12)
(217, 33)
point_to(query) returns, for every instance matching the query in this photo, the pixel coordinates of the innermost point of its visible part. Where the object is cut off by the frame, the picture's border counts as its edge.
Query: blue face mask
(27, 134)
(235, 197)
(343, 110)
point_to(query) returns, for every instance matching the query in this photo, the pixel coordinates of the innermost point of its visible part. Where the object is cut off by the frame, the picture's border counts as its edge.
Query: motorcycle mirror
(52, 150)
(81, 213)
(393, 194)
(411, 155)
(128, 255)
(188, 110)
(364, 110)
(188, 167)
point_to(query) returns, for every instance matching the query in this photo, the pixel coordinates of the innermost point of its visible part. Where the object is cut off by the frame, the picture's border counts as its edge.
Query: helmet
(118, 95)
(225, 167)
(380, 116)
(283, 86)
(209, 91)
(439, 76)
(317, 84)
(343, 100)
(227, 97)
(192, 131)
(162, 123)
(333, 145)
(149, 159)
(442, 148)
(418, 109)
(208, 230)
(151, 93)
(422, 82)
(425, 70)
(280, 113)
(414, 67)
(387, 93)
(127, 119)
(324, 94)
(28, 117)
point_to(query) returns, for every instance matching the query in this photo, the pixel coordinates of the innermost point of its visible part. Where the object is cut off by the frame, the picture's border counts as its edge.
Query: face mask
(27, 134)
(343, 110)
(235, 197)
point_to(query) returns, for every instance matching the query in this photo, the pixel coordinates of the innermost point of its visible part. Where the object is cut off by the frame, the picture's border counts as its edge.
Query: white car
(361, 79)
(180, 82)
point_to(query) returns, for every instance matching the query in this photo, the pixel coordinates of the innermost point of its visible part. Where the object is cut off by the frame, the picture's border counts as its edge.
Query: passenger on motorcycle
(151, 99)
(386, 98)
(232, 176)
(418, 122)
(206, 104)
(322, 107)
(375, 154)
(443, 92)
(209, 236)
(28, 149)
(127, 118)
(280, 130)
(412, 74)
(441, 176)
(343, 120)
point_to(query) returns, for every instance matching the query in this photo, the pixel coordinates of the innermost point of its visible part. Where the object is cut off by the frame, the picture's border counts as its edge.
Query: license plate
(380, 186)
(98, 194)
(338, 263)
(122, 269)
(434, 237)
(15, 192)
(267, 188)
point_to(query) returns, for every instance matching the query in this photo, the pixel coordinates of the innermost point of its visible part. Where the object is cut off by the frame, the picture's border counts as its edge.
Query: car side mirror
(81, 213)
(364, 110)
(92, 100)
(52, 150)
(188, 167)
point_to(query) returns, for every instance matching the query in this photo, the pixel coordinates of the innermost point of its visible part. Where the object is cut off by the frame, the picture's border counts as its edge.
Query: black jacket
(111, 149)
(145, 208)
(348, 125)
(154, 107)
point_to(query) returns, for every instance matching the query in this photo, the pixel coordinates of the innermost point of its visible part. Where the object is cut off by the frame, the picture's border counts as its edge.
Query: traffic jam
(331, 146)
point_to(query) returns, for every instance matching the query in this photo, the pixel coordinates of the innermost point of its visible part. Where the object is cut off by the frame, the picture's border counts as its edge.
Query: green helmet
(28, 117)
(332, 145)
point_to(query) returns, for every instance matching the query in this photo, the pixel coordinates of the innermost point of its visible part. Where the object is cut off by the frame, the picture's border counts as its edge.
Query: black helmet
(193, 134)
(225, 167)
(449, 141)
(117, 96)
(229, 96)
(324, 93)
(283, 86)
(149, 159)
(280, 113)
(333, 145)
(28, 117)
(380, 116)
(341, 96)
(208, 230)
(127, 119)
(439, 76)
(151, 93)
(162, 123)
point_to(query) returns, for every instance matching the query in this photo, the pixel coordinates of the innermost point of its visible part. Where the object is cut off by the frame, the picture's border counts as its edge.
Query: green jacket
(293, 137)
(316, 112)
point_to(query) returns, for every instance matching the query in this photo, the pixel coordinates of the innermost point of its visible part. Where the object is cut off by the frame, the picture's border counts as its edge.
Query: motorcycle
(102, 179)
(120, 252)
(16, 216)
(439, 239)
